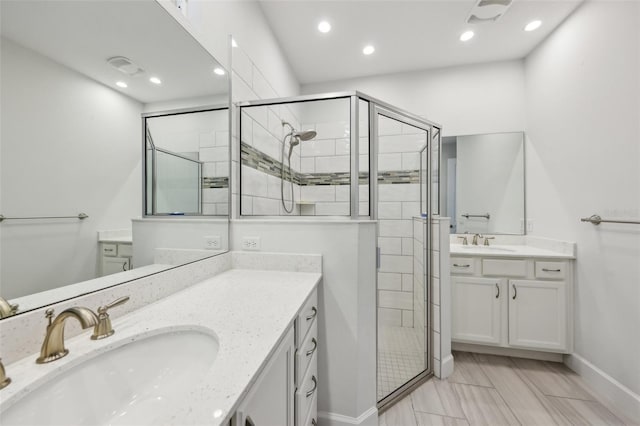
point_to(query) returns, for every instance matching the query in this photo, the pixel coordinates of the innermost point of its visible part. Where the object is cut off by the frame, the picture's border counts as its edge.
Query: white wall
(486, 98)
(583, 157)
(215, 20)
(347, 299)
(69, 145)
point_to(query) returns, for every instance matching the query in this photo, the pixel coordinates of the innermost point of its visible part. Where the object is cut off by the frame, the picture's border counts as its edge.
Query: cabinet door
(538, 314)
(270, 399)
(477, 309)
(111, 265)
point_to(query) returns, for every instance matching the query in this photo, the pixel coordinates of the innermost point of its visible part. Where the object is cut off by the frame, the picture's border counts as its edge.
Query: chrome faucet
(4, 380)
(53, 345)
(7, 309)
(486, 240)
(475, 239)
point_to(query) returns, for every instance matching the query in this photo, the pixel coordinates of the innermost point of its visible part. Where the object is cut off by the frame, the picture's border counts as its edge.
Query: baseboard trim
(368, 418)
(497, 350)
(620, 398)
(446, 367)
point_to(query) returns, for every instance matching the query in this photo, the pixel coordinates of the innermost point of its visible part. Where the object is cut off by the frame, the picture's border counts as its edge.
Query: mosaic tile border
(215, 182)
(260, 161)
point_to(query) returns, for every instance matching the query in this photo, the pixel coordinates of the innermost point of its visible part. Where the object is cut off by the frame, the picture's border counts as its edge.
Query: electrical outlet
(251, 243)
(212, 242)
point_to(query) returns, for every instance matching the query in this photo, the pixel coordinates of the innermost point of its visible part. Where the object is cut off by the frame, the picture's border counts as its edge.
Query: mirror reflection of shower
(294, 139)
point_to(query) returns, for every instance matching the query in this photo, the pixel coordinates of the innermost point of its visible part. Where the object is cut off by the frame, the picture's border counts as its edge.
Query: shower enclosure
(359, 158)
(186, 154)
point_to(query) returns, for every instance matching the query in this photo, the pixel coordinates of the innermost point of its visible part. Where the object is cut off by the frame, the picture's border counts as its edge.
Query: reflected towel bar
(486, 215)
(597, 220)
(79, 216)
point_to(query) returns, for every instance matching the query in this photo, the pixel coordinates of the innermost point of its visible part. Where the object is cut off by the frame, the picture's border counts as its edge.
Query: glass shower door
(403, 155)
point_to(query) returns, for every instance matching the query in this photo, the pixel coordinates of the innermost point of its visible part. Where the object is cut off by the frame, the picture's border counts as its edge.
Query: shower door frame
(375, 111)
(374, 106)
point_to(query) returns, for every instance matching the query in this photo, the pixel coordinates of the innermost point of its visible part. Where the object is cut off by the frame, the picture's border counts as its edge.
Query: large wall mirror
(482, 183)
(79, 81)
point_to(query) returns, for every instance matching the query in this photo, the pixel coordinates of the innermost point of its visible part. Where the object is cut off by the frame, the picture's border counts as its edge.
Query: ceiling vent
(125, 65)
(488, 11)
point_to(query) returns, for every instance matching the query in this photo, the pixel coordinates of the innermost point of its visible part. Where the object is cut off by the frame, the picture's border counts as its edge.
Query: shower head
(305, 135)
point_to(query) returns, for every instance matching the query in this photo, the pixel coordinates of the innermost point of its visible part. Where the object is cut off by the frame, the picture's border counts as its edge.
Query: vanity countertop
(120, 240)
(507, 250)
(247, 310)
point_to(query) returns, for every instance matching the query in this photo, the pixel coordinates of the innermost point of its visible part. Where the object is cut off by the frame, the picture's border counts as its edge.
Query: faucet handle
(486, 240)
(465, 241)
(4, 380)
(103, 328)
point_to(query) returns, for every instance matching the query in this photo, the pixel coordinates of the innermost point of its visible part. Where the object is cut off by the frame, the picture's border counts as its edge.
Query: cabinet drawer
(306, 318)
(312, 416)
(462, 265)
(306, 351)
(504, 268)
(306, 392)
(551, 270)
(125, 250)
(109, 250)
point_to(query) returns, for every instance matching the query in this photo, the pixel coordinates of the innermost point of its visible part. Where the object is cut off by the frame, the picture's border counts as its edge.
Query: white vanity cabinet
(115, 257)
(519, 303)
(285, 393)
(269, 401)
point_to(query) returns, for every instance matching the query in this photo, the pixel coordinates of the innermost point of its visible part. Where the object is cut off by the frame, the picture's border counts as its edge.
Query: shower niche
(352, 157)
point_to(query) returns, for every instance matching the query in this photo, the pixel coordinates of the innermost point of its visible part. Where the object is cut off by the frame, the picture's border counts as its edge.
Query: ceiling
(407, 35)
(82, 35)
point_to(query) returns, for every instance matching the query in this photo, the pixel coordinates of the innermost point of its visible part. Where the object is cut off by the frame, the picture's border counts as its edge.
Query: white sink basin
(134, 384)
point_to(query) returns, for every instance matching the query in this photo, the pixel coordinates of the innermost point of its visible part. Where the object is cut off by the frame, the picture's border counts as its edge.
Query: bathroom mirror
(78, 79)
(482, 183)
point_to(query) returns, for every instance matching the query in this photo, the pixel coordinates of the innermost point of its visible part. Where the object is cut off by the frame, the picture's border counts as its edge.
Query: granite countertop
(507, 250)
(247, 310)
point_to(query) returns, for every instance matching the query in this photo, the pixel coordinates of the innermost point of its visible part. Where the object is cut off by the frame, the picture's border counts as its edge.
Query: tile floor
(400, 357)
(497, 390)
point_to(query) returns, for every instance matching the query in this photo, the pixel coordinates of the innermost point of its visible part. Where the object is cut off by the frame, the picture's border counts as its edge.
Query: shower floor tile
(400, 357)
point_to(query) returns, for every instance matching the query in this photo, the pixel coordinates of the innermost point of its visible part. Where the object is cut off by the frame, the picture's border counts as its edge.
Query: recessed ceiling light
(533, 25)
(155, 80)
(368, 50)
(324, 27)
(219, 71)
(121, 84)
(466, 36)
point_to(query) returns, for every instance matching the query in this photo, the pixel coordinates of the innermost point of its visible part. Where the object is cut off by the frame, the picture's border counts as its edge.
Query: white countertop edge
(245, 311)
(521, 251)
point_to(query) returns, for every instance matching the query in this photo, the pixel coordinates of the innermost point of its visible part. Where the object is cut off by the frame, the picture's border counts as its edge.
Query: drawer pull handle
(461, 266)
(124, 266)
(497, 291)
(515, 291)
(550, 270)
(314, 312)
(315, 386)
(315, 346)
